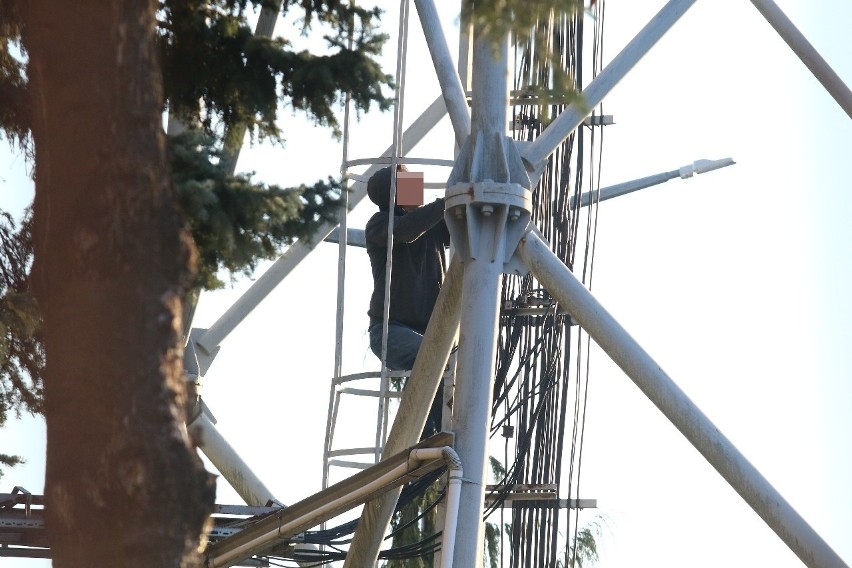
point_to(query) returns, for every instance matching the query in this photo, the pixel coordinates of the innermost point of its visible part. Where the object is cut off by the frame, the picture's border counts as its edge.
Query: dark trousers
(403, 345)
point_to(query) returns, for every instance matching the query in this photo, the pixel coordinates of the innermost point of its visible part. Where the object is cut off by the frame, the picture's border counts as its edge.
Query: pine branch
(235, 221)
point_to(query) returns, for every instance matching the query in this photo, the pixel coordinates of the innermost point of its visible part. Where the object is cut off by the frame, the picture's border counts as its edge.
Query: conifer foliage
(217, 70)
(236, 222)
(223, 79)
(120, 221)
(21, 349)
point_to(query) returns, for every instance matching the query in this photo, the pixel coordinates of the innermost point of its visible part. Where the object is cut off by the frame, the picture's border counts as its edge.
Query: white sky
(735, 281)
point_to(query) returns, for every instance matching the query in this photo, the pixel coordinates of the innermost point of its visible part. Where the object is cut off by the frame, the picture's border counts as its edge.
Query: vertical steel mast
(488, 205)
(488, 211)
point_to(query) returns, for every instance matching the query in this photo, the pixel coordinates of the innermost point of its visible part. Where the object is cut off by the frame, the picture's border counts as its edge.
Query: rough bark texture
(123, 486)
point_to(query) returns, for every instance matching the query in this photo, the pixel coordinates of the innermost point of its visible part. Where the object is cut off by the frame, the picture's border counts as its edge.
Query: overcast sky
(735, 281)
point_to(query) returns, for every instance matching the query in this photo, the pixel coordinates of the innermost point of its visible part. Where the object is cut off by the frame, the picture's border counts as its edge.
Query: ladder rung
(369, 375)
(367, 392)
(547, 503)
(351, 452)
(357, 465)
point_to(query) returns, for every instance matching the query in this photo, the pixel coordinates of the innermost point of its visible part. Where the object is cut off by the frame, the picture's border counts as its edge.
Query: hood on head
(378, 186)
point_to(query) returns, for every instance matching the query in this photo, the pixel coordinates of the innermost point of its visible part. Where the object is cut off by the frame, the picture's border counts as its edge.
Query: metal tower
(491, 212)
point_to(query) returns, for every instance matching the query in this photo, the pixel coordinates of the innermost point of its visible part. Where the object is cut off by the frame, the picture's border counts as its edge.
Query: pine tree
(84, 88)
(224, 80)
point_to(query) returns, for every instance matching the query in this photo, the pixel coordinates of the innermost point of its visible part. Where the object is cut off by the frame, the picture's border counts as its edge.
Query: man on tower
(420, 238)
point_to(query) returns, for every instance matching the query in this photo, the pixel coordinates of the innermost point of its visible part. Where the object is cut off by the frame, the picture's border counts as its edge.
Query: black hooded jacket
(419, 263)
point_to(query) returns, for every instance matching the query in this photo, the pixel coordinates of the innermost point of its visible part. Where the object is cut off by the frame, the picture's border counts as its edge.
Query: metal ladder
(336, 457)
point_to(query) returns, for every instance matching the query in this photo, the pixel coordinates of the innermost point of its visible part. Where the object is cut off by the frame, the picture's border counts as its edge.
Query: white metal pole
(620, 189)
(448, 77)
(811, 549)
(472, 405)
(552, 136)
(451, 516)
(232, 467)
(465, 49)
(806, 52)
(617, 190)
(480, 294)
(455, 475)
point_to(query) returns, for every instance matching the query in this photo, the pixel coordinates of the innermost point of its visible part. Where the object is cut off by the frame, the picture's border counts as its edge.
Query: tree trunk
(123, 484)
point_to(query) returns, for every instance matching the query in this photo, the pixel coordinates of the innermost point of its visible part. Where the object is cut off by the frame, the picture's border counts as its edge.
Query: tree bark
(123, 484)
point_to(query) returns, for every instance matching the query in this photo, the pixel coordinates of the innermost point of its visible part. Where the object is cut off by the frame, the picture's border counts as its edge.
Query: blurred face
(409, 190)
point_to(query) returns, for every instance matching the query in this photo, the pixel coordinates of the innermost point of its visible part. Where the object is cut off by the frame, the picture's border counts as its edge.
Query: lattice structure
(515, 207)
